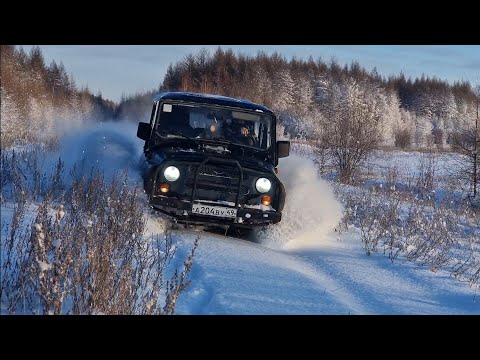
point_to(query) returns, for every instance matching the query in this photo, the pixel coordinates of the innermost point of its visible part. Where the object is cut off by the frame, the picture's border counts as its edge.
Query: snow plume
(311, 211)
(109, 146)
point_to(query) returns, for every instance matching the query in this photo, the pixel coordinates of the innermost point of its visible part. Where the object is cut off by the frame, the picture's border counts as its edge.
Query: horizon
(109, 69)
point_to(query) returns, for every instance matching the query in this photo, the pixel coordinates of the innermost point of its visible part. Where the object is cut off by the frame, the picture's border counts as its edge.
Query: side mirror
(283, 149)
(143, 131)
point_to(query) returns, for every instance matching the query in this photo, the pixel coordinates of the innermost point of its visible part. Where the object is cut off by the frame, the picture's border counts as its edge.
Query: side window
(153, 115)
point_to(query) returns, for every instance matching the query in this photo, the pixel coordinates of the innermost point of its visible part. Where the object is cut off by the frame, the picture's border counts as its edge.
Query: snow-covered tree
(390, 118)
(405, 129)
(423, 131)
(11, 122)
(303, 93)
(352, 128)
(284, 90)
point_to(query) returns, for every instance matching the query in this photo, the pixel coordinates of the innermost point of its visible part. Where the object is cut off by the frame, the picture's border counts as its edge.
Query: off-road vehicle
(212, 160)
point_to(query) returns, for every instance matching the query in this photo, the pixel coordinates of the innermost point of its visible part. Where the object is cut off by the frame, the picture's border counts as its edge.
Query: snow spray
(110, 147)
(311, 210)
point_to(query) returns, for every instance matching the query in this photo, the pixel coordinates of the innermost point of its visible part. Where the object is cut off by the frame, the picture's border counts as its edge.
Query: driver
(212, 127)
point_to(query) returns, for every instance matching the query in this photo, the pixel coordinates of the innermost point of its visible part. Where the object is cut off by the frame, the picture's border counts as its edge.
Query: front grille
(223, 179)
(220, 172)
(227, 172)
(201, 185)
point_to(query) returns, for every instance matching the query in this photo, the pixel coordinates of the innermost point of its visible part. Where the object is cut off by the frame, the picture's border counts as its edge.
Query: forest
(40, 101)
(306, 94)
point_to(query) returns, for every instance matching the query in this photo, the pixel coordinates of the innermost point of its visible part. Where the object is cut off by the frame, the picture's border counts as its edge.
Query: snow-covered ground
(301, 266)
(232, 276)
(409, 162)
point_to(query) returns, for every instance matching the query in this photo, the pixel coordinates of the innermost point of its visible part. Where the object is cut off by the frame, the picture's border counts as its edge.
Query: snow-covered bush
(83, 251)
(430, 234)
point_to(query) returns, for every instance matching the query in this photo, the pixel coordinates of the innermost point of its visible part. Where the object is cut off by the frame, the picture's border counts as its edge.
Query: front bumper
(181, 211)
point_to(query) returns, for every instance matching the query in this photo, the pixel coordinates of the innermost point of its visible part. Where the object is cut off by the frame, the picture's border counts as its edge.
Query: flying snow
(111, 147)
(311, 210)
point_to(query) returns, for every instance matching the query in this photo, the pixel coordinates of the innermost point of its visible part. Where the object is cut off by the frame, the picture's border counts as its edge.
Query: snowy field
(304, 265)
(232, 276)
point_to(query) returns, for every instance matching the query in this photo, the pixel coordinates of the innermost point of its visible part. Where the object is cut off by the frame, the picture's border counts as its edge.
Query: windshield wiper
(220, 141)
(163, 133)
(217, 141)
(232, 145)
(242, 146)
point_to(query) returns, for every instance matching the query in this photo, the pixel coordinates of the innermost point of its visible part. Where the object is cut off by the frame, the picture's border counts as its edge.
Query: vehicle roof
(211, 99)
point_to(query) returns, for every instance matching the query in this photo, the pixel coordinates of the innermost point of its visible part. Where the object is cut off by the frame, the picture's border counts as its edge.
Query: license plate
(220, 211)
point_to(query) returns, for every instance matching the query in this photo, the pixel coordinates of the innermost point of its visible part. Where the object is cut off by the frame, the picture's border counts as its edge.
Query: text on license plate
(219, 211)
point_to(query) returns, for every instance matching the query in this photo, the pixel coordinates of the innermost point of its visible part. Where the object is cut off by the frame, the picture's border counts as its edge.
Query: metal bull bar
(221, 161)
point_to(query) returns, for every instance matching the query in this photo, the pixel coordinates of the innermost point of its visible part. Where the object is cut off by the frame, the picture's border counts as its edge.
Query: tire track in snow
(382, 287)
(329, 282)
(255, 275)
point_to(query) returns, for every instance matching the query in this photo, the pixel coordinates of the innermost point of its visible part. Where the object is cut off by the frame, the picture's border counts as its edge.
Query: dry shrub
(86, 254)
(435, 236)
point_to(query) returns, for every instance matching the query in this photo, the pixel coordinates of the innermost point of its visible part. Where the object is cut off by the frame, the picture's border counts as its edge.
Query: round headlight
(263, 185)
(171, 173)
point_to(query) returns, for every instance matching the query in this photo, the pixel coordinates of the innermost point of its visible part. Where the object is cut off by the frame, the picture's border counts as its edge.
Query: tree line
(410, 113)
(37, 99)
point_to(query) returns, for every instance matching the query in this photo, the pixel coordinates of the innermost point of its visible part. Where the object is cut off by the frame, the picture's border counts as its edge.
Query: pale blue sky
(117, 69)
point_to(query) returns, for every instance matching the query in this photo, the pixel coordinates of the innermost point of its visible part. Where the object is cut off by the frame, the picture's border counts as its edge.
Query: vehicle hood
(245, 159)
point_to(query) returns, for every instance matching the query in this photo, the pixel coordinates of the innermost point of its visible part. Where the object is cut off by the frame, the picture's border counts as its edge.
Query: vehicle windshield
(246, 128)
